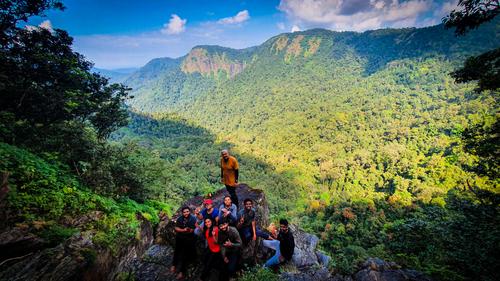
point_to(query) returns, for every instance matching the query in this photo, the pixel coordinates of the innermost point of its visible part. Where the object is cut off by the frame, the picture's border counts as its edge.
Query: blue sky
(128, 33)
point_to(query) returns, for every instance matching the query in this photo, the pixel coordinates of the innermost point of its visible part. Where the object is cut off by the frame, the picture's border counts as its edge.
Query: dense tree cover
(192, 158)
(46, 197)
(55, 118)
(362, 137)
(52, 103)
(358, 137)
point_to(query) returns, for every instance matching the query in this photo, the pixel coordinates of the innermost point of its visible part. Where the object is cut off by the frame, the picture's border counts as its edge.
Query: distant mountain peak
(212, 60)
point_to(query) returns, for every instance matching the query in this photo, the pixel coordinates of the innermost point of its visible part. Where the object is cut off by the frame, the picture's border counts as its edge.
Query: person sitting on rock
(185, 251)
(228, 210)
(230, 241)
(213, 257)
(284, 245)
(208, 212)
(247, 225)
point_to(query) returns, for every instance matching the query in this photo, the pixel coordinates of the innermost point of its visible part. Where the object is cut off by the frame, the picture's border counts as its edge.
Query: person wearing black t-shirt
(284, 245)
(185, 251)
(247, 225)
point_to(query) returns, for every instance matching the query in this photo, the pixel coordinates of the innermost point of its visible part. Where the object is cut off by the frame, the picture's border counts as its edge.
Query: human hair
(284, 222)
(227, 196)
(211, 227)
(247, 200)
(225, 220)
(184, 208)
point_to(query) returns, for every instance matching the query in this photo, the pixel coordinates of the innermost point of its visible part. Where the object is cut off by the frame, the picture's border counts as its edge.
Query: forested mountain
(347, 112)
(356, 136)
(174, 81)
(364, 139)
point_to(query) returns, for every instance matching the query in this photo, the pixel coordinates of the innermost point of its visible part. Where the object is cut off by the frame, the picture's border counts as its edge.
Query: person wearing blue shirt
(210, 211)
(228, 210)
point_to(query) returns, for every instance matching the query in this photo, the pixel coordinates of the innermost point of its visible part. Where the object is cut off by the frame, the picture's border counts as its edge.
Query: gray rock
(154, 265)
(323, 258)
(76, 259)
(375, 269)
(309, 274)
(305, 253)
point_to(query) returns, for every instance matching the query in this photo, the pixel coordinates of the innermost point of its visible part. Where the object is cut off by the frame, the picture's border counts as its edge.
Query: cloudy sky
(128, 33)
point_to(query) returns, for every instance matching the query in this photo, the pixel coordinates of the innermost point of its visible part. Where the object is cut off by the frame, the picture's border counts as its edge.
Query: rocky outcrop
(374, 269)
(155, 264)
(201, 61)
(308, 263)
(158, 258)
(78, 258)
(380, 270)
(25, 256)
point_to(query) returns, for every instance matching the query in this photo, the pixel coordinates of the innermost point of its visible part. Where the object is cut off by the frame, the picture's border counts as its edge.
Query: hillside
(370, 144)
(332, 111)
(353, 135)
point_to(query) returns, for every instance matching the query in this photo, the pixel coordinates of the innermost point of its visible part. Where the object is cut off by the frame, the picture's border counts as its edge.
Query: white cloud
(356, 15)
(280, 25)
(446, 8)
(239, 18)
(46, 24)
(295, 28)
(175, 25)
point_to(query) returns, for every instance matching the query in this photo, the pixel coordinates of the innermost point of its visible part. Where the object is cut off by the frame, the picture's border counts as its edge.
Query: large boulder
(165, 233)
(306, 253)
(154, 264)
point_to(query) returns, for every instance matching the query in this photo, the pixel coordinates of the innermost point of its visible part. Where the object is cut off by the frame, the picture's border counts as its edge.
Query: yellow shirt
(229, 168)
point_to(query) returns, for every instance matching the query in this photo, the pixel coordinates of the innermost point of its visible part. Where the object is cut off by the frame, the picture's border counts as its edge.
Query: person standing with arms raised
(229, 174)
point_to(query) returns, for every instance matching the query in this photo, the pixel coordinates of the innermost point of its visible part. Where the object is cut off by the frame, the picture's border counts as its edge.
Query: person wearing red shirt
(213, 258)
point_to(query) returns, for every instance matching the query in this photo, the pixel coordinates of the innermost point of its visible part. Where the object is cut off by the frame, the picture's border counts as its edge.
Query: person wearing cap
(228, 210)
(209, 211)
(229, 172)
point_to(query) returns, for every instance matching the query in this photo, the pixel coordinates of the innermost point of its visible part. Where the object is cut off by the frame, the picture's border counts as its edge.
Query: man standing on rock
(230, 241)
(229, 174)
(185, 251)
(284, 245)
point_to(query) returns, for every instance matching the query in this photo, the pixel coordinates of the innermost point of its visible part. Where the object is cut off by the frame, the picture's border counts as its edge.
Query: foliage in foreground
(46, 197)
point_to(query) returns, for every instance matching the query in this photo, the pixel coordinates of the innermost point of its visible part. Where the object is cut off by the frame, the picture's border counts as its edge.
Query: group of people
(225, 231)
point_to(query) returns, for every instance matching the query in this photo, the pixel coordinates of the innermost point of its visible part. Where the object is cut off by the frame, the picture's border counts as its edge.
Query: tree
(44, 83)
(483, 139)
(472, 15)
